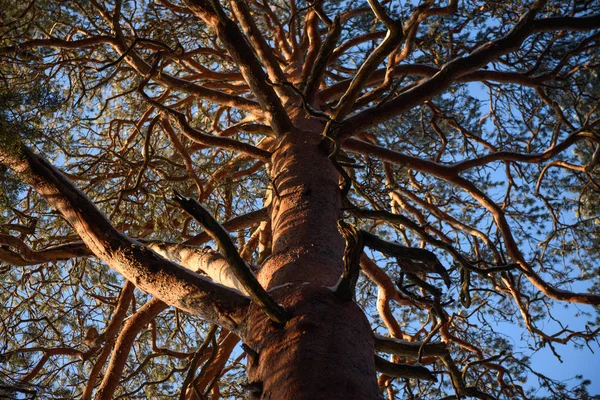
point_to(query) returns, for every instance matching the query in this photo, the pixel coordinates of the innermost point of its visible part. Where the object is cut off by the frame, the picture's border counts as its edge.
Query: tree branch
(206, 260)
(314, 79)
(150, 272)
(263, 51)
(195, 360)
(237, 46)
(109, 335)
(405, 348)
(448, 174)
(403, 370)
(567, 23)
(241, 270)
(394, 36)
(202, 138)
(427, 71)
(236, 223)
(413, 260)
(25, 256)
(444, 78)
(346, 286)
(123, 345)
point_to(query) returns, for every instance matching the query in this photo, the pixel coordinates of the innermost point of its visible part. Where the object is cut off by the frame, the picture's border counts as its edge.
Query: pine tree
(296, 199)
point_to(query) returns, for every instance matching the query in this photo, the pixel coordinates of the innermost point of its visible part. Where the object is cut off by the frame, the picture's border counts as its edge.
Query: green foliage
(22, 110)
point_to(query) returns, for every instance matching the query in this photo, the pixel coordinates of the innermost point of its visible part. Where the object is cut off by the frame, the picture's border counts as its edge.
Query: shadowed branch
(241, 270)
(354, 247)
(403, 370)
(421, 260)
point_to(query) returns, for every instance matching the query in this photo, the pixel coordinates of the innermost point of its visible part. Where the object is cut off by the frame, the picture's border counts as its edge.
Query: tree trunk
(326, 350)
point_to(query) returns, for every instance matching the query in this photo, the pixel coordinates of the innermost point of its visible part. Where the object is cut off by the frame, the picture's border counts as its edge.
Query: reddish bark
(307, 246)
(149, 272)
(325, 351)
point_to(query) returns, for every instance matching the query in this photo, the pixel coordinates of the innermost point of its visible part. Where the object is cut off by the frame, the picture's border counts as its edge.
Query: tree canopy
(466, 136)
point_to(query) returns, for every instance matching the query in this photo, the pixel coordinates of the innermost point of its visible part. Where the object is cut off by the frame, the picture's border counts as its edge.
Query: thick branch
(445, 77)
(24, 255)
(123, 345)
(206, 260)
(409, 349)
(314, 79)
(567, 23)
(392, 39)
(403, 370)
(237, 46)
(109, 335)
(397, 158)
(415, 259)
(239, 267)
(427, 71)
(151, 273)
(354, 247)
(264, 52)
(151, 310)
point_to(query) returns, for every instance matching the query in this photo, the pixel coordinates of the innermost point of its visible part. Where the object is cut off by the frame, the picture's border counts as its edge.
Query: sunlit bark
(252, 105)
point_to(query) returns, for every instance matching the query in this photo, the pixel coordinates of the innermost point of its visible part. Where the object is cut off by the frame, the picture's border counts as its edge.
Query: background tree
(398, 179)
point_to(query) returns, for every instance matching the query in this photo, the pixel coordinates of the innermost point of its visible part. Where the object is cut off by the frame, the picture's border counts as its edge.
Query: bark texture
(325, 351)
(307, 246)
(147, 270)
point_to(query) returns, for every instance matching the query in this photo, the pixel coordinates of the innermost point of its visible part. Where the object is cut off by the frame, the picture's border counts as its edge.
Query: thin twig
(195, 360)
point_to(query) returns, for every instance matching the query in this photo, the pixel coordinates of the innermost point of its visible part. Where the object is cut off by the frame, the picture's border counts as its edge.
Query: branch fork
(240, 268)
